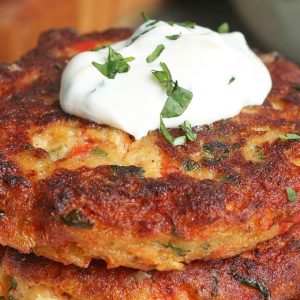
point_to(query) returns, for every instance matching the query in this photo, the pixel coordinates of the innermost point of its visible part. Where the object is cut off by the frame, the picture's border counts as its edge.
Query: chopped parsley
(178, 141)
(289, 136)
(145, 16)
(178, 251)
(177, 102)
(173, 37)
(231, 80)
(190, 165)
(152, 23)
(186, 24)
(139, 35)
(155, 54)
(99, 48)
(116, 63)
(76, 219)
(259, 153)
(291, 193)
(223, 28)
(58, 66)
(187, 128)
(99, 152)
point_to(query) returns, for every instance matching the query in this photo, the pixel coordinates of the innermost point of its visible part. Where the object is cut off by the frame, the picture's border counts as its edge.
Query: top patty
(73, 190)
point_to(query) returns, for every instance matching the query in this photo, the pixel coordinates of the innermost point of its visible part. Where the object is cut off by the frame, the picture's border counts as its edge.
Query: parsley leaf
(164, 77)
(173, 37)
(177, 102)
(116, 63)
(178, 251)
(58, 66)
(231, 80)
(289, 136)
(292, 195)
(223, 28)
(187, 128)
(99, 152)
(178, 141)
(145, 16)
(155, 54)
(186, 24)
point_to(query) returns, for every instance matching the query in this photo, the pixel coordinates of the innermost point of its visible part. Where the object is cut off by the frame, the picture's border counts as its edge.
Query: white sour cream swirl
(201, 60)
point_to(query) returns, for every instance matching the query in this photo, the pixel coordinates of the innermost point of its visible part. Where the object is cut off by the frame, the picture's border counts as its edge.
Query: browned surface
(273, 270)
(229, 202)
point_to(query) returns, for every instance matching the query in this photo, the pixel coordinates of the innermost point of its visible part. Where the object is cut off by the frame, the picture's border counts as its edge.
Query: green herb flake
(155, 54)
(231, 80)
(206, 148)
(99, 152)
(58, 66)
(99, 48)
(186, 24)
(291, 193)
(11, 297)
(152, 23)
(128, 171)
(260, 154)
(76, 219)
(178, 141)
(177, 102)
(190, 165)
(187, 128)
(173, 37)
(116, 63)
(289, 136)
(139, 35)
(253, 283)
(223, 28)
(178, 251)
(164, 77)
(145, 16)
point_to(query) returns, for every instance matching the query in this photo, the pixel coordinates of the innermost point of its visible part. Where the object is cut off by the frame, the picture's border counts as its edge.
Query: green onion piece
(232, 79)
(187, 128)
(223, 28)
(145, 16)
(292, 195)
(173, 37)
(289, 136)
(178, 141)
(155, 54)
(116, 63)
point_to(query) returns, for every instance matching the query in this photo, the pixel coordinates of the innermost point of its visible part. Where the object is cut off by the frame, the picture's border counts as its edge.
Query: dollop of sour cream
(220, 70)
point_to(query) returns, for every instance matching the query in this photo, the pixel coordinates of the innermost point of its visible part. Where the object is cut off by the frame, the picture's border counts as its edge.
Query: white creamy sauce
(201, 60)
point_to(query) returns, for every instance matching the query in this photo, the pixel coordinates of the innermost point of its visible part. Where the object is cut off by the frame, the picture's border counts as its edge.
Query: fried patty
(72, 190)
(270, 271)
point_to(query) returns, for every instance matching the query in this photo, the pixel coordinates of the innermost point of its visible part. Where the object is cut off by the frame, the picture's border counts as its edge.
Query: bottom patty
(270, 271)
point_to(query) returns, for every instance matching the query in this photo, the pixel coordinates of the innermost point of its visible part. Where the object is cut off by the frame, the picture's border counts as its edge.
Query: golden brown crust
(213, 198)
(270, 271)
